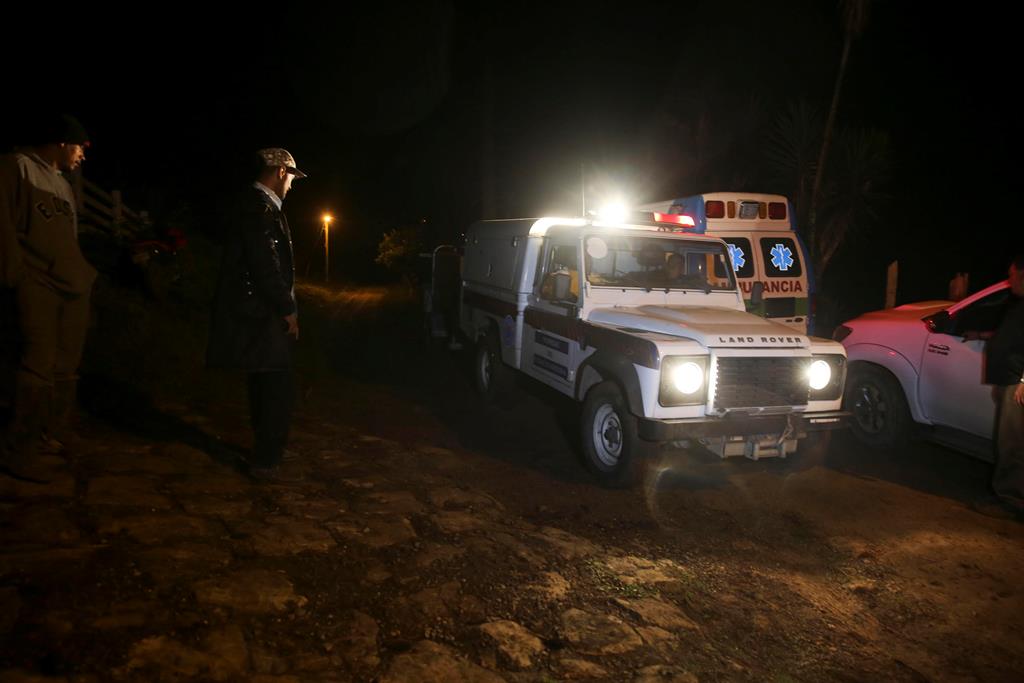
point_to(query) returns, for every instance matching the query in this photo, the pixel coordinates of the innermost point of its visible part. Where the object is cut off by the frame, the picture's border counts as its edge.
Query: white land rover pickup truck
(914, 369)
(646, 327)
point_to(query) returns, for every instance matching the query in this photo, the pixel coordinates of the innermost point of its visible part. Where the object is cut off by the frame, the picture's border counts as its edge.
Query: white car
(915, 368)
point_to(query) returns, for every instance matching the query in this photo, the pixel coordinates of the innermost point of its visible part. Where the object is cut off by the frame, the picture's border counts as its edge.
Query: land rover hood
(712, 327)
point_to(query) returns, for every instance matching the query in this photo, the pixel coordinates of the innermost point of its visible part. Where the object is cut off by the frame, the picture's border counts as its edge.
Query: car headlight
(825, 377)
(683, 380)
(819, 374)
(688, 377)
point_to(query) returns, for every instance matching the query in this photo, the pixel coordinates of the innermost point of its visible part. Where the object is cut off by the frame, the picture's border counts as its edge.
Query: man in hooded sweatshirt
(40, 258)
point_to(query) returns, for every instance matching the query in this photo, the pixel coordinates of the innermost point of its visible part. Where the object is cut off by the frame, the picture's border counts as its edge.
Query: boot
(31, 406)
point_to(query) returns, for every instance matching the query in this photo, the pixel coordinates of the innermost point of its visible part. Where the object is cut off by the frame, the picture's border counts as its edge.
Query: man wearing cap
(255, 319)
(41, 260)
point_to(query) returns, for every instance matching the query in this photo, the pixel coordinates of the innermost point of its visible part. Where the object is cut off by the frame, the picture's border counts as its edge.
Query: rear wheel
(881, 417)
(491, 375)
(611, 446)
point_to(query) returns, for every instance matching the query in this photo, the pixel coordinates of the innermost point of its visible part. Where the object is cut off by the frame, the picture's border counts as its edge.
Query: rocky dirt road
(433, 539)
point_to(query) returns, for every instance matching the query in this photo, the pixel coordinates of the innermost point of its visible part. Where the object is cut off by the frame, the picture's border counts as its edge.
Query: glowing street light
(327, 218)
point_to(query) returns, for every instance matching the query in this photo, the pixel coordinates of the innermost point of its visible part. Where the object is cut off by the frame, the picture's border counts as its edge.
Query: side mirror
(563, 284)
(937, 322)
(757, 294)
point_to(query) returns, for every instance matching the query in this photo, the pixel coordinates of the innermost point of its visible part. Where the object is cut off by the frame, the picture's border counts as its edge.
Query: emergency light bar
(676, 222)
(682, 220)
(672, 222)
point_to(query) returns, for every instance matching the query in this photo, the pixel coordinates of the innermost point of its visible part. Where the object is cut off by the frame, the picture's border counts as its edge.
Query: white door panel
(549, 354)
(951, 388)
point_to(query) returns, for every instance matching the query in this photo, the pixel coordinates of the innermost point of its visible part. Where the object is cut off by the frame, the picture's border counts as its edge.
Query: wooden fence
(106, 211)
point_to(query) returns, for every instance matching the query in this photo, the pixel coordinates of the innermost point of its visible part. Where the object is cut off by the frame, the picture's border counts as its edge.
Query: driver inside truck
(562, 260)
(684, 271)
(673, 269)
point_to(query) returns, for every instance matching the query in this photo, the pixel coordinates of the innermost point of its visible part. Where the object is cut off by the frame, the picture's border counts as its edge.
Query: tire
(612, 448)
(492, 377)
(881, 418)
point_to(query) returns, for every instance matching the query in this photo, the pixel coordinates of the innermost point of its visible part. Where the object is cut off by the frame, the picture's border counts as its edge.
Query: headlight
(688, 377)
(819, 375)
(683, 381)
(825, 377)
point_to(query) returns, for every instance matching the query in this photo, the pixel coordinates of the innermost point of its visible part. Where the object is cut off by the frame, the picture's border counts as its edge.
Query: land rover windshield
(653, 263)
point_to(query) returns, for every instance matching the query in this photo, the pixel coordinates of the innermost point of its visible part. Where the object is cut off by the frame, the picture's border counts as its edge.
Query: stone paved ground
(152, 561)
(432, 539)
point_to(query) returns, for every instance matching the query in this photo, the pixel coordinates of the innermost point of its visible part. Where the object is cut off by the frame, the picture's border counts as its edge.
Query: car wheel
(491, 375)
(611, 446)
(881, 417)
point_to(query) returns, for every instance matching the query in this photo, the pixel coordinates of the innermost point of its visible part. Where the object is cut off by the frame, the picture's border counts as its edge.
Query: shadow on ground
(131, 409)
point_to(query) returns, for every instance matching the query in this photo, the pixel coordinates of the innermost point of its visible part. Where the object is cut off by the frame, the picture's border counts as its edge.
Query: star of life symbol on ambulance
(782, 257)
(736, 256)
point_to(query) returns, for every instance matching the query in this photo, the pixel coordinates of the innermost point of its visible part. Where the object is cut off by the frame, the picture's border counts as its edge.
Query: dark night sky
(411, 111)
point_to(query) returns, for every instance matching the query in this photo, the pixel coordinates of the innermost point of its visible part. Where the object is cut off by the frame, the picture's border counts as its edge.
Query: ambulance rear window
(739, 253)
(781, 257)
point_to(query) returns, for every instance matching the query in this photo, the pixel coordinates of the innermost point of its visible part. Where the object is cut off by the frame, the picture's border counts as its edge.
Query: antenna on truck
(583, 190)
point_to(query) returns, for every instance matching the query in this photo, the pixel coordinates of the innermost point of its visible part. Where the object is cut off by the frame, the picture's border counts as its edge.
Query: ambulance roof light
(715, 209)
(777, 211)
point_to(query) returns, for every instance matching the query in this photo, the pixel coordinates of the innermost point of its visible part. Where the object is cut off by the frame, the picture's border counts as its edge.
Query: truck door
(952, 390)
(550, 346)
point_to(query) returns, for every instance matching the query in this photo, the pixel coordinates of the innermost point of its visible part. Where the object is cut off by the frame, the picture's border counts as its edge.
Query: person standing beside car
(1004, 368)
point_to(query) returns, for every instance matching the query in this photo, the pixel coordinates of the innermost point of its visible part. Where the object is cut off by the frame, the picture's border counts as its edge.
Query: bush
(398, 251)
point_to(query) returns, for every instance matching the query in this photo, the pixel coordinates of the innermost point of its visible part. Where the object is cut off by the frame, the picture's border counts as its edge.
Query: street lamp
(327, 218)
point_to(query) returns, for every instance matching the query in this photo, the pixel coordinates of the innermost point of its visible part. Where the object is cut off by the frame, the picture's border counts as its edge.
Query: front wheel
(611, 446)
(881, 417)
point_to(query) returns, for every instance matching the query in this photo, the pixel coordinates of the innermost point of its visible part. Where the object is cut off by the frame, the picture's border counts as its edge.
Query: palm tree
(853, 196)
(790, 151)
(855, 193)
(855, 19)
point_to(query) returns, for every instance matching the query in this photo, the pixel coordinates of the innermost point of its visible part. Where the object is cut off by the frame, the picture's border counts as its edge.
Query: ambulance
(763, 247)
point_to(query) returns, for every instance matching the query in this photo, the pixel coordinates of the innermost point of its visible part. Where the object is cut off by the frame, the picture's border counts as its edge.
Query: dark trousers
(53, 327)
(271, 397)
(1008, 475)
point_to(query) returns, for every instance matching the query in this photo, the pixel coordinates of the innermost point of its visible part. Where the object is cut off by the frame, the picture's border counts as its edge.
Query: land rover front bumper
(742, 424)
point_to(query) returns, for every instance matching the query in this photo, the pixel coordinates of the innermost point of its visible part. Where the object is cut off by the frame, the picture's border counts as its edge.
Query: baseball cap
(276, 156)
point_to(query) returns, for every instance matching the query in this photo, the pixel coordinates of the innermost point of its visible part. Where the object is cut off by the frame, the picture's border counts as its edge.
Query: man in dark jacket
(255, 319)
(1004, 368)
